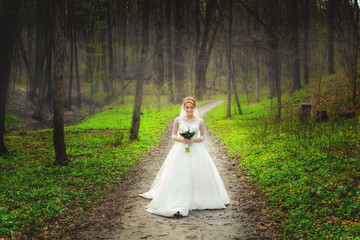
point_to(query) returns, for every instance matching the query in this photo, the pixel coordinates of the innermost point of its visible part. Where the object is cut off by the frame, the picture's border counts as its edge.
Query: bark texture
(8, 28)
(59, 91)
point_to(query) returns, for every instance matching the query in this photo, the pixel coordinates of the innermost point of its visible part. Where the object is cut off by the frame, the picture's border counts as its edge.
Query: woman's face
(189, 109)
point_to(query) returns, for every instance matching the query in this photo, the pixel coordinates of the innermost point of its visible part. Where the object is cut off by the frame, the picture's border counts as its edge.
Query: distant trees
(349, 34)
(104, 49)
(205, 41)
(275, 45)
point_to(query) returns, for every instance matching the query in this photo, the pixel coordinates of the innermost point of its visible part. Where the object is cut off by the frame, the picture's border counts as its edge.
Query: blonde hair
(189, 100)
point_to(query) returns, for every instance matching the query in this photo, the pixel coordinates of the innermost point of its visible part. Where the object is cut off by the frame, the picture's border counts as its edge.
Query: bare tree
(135, 124)
(72, 41)
(109, 15)
(8, 29)
(306, 21)
(206, 44)
(40, 86)
(169, 55)
(349, 36)
(124, 56)
(158, 49)
(59, 91)
(179, 67)
(294, 45)
(257, 56)
(355, 49)
(228, 46)
(331, 28)
(274, 60)
(74, 35)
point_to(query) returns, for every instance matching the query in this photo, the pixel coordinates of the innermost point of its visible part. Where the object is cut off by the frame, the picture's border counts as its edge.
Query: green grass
(38, 198)
(309, 171)
(12, 121)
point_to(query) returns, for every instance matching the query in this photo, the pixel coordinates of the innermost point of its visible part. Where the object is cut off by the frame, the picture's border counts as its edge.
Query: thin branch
(267, 27)
(337, 38)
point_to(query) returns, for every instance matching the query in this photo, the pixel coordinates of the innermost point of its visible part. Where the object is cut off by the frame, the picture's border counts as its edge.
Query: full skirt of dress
(186, 181)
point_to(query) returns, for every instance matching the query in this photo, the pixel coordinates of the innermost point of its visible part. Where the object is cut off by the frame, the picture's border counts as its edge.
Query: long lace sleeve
(175, 128)
(202, 130)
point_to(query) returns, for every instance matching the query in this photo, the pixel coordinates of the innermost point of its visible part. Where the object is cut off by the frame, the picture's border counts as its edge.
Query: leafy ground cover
(309, 171)
(11, 121)
(38, 198)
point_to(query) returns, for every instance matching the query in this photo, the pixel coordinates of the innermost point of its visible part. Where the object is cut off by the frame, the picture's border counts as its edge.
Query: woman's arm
(175, 130)
(202, 134)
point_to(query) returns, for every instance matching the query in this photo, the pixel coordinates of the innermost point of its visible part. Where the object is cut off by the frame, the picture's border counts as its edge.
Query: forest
(89, 87)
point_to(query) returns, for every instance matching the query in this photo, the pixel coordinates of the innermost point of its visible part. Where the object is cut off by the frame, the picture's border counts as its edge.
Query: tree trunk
(274, 63)
(59, 96)
(355, 49)
(135, 124)
(228, 112)
(206, 45)
(228, 46)
(124, 60)
(110, 47)
(43, 63)
(69, 102)
(169, 58)
(236, 95)
(245, 70)
(39, 51)
(101, 67)
(200, 62)
(78, 88)
(179, 67)
(159, 50)
(331, 28)
(294, 45)
(306, 40)
(49, 53)
(71, 27)
(257, 57)
(25, 58)
(276, 71)
(8, 29)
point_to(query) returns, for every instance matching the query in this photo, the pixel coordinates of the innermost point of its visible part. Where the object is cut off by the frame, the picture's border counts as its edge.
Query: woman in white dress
(188, 179)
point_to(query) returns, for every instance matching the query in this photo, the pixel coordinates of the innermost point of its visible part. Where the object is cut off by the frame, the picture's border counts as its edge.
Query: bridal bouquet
(187, 134)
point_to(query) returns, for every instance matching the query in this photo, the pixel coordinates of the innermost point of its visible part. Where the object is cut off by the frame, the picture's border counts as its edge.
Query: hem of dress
(147, 196)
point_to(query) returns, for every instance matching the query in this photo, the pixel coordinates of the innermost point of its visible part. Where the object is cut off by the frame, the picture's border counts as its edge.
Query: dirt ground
(122, 215)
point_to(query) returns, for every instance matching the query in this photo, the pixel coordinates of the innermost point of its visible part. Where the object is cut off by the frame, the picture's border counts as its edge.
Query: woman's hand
(189, 142)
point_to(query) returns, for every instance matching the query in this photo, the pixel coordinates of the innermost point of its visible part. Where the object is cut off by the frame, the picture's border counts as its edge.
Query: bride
(188, 179)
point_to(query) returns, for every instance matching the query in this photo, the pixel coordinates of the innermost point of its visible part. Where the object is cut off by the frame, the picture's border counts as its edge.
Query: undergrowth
(38, 198)
(309, 170)
(11, 121)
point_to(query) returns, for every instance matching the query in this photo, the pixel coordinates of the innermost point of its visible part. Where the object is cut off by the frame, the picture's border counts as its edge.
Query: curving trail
(122, 214)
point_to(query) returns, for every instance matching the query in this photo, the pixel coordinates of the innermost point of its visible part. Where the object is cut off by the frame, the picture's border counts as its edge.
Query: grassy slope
(37, 197)
(310, 171)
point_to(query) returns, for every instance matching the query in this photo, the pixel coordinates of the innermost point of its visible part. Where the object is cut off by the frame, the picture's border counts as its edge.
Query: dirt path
(122, 213)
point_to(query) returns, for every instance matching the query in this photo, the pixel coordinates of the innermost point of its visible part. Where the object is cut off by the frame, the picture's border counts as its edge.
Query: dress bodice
(194, 124)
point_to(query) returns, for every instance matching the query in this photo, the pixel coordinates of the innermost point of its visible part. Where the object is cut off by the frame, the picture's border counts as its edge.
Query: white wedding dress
(187, 181)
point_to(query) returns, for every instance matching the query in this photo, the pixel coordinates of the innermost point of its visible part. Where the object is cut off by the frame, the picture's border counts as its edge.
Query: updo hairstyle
(189, 100)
